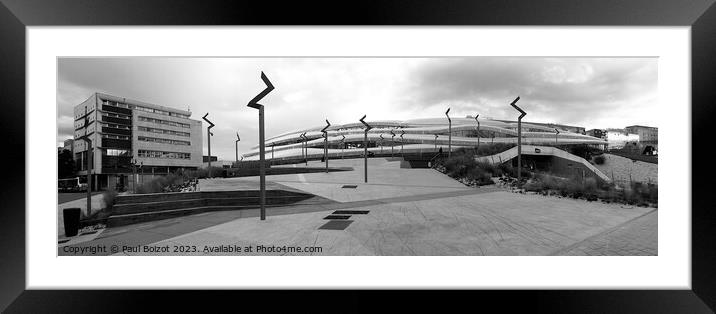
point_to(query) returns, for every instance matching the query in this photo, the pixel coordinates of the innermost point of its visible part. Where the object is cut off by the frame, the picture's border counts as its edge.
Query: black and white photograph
(357, 156)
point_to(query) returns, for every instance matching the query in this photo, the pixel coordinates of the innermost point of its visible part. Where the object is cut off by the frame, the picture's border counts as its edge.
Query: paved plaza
(418, 212)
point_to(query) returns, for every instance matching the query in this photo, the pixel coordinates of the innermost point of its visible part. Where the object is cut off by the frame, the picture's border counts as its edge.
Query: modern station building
(417, 136)
(128, 134)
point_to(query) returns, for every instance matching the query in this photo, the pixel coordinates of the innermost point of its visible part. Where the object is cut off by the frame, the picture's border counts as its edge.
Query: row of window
(163, 140)
(160, 154)
(116, 137)
(115, 115)
(116, 126)
(117, 152)
(145, 109)
(163, 131)
(165, 122)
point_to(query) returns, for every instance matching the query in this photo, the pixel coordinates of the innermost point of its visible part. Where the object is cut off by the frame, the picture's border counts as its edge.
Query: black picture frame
(16, 15)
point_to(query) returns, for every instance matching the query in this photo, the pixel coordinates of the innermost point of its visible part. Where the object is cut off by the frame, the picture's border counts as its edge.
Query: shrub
(599, 160)
(158, 184)
(109, 197)
(480, 176)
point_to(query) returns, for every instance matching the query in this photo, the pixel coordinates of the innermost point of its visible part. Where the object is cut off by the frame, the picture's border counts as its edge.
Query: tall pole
(365, 146)
(89, 164)
(208, 139)
(253, 103)
(436, 142)
(401, 143)
(343, 145)
(392, 143)
(449, 132)
(555, 136)
(325, 143)
(237, 149)
(519, 139)
(478, 133)
(305, 147)
(381, 143)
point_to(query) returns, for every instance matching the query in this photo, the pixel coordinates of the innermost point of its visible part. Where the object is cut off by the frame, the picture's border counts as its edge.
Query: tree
(65, 164)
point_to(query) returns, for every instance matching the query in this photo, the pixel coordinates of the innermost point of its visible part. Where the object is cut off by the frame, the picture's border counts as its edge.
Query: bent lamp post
(237, 148)
(304, 147)
(519, 139)
(449, 132)
(254, 103)
(208, 140)
(381, 143)
(343, 143)
(555, 136)
(392, 142)
(436, 142)
(401, 143)
(478, 133)
(325, 143)
(365, 146)
(89, 164)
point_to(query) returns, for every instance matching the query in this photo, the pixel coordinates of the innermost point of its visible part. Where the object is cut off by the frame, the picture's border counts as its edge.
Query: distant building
(69, 145)
(647, 134)
(598, 133)
(121, 130)
(619, 138)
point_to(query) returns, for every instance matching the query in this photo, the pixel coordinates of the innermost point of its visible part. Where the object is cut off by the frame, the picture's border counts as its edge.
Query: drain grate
(337, 217)
(350, 212)
(63, 241)
(349, 186)
(336, 225)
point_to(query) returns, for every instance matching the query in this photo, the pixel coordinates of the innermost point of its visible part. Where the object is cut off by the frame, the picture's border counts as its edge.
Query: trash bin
(71, 217)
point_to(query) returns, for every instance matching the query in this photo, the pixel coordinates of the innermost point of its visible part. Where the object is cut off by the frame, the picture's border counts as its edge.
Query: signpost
(519, 139)
(449, 132)
(325, 143)
(208, 140)
(253, 103)
(365, 145)
(343, 144)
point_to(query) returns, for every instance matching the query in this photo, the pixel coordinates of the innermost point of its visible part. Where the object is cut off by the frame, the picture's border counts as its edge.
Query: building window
(163, 140)
(164, 122)
(117, 152)
(162, 131)
(160, 154)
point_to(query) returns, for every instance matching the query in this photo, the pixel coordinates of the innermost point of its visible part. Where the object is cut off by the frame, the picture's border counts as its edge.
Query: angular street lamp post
(555, 136)
(519, 139)
(237, 149)
(365, 146)
(208, 139)
(436, 142)
(381, 143)
(449, 132)
(343, 145)
(304, 148)
(392, 142)
(89, 164)
(253, 103)
(401, 143)
(325, 143)
(478, 133)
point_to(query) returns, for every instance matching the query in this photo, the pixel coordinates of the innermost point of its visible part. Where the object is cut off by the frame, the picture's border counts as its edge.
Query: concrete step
(202, 202)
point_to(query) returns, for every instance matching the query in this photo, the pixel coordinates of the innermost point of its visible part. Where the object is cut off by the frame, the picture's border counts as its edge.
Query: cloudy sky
(589, 92)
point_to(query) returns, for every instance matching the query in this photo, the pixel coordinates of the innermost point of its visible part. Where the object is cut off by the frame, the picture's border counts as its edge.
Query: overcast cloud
(589, 92)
